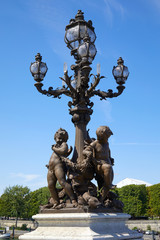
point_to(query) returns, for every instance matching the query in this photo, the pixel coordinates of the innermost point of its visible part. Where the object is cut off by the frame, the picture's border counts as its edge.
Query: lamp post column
(81, 111)
(81, 117)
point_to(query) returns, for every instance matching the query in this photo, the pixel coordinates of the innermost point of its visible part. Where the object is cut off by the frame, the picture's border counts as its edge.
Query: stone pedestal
(81, 226)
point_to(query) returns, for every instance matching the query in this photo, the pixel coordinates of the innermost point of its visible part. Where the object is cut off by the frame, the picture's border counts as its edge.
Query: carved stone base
(81, 226)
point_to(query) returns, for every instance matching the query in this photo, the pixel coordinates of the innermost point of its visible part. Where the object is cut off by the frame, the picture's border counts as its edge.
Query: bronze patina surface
(91, 159)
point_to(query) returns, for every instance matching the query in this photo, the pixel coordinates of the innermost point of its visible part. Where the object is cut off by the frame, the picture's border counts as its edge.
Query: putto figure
(102, 160)
(57, 168)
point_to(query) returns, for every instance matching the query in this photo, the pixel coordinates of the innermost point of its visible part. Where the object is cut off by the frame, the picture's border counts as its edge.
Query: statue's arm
(62, 150)
(93, 146)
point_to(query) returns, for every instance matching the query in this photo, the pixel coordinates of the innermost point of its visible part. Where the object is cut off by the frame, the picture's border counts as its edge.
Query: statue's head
(61, 135)
(103, 132)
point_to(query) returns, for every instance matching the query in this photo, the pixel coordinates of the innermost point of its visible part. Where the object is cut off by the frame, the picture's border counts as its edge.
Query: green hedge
(19, 201)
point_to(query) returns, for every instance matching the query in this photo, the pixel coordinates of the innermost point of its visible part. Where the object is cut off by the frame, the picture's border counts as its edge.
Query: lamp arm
(67, 80)
(109, 93)
(50, 92)
(97, 79)
(120, 89)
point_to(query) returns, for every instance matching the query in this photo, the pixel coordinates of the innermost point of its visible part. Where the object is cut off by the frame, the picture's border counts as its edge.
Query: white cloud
(110, 7)
(106, 108)
(156, 4)
(38, 184)
(32, 181)
(25, 177)
(46, 14)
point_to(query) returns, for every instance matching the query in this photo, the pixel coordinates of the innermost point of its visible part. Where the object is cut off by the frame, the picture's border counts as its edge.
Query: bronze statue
(97, 163)
(102, 160)
(57, 168)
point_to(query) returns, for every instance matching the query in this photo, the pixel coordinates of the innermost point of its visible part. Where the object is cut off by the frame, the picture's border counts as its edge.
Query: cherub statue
(102, 160)
(57, 169)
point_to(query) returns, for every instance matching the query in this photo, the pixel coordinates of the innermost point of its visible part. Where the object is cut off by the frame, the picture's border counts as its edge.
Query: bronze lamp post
(94, 204)
(80, 38)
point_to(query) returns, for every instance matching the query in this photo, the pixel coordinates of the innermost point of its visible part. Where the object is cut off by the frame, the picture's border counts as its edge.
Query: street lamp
(80, 38)
(91, 158)
(38, 68)
(120, 72)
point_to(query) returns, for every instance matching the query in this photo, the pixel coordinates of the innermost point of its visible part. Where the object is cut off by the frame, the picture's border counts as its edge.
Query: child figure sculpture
(56, 168)
(102, 160)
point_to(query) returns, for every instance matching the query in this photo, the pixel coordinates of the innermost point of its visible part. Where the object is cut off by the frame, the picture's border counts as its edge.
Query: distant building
(129, 181)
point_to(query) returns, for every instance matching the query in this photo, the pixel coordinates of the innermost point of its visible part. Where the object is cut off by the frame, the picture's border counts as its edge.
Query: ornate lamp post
(94, 206)
(80, 38)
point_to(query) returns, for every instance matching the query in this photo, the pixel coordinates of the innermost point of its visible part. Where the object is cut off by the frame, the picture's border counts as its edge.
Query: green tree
(154, 200)
(37, 198)
(135, 199)
(13, 201)
(5, 206)
(18, 201)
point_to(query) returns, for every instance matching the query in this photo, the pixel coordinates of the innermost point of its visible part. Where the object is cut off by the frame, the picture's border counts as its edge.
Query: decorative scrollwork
(109, 94)
(52, 93)
(97, 79)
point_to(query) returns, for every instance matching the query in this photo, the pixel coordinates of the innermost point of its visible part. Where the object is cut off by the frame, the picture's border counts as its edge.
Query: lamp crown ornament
(120, 61)
(79, 16)
(38, 57)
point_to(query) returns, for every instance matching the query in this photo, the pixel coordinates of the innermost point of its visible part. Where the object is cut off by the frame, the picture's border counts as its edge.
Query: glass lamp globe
(38, 68)
(76, 31)
(120, 72)
(87, 51)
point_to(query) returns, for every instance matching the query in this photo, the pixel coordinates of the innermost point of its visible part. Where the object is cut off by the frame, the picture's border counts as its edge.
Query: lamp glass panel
(41, 76)
(43, 68)
(125, 72)
(76, 44)
(69, 36)
(83, 50)
(119, 80)
(90, 59)
(91, 34)
(117, 72)
(34, 68)
(92, 50)
(71, 45)
(72, 33)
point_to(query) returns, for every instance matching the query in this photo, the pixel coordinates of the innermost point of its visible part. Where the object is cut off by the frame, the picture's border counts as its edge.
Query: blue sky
(127, 28)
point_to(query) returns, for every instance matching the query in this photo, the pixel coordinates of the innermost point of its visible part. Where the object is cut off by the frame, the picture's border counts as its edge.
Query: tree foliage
(18, 201)
(13, 201)
(154, 200)
(37, 198)
(135, 199)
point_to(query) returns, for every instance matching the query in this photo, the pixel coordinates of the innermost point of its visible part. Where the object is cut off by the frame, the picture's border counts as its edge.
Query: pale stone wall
(10, 223)
(143, 224)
